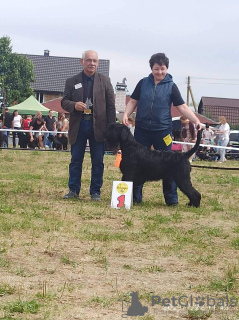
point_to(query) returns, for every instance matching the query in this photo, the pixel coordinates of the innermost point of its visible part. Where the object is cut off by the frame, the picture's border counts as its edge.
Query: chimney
(46, 53)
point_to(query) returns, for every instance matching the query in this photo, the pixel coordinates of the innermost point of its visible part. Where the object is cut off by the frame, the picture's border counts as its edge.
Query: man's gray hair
(83, 54)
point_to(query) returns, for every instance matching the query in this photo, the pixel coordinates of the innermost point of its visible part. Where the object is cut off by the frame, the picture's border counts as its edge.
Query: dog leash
(217, 168)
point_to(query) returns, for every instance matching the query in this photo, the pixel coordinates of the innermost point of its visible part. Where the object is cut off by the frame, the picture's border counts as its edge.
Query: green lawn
(74, 259)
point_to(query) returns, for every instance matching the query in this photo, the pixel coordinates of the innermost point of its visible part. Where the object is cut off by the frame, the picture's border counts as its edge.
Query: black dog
(140, 164)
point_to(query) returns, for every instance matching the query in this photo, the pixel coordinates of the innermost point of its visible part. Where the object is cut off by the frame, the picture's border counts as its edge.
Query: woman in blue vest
(153, 97)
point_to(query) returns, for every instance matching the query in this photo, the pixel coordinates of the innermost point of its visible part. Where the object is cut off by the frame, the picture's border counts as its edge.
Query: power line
(215, 79)
(230, 84)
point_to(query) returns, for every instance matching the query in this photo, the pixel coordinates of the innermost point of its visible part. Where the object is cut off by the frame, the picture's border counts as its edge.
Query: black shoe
(173, 204)
(137, 201)
(71, 195)
(95, 197)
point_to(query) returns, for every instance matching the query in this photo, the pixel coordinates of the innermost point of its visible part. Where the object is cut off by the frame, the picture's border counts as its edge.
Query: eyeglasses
(91, 60)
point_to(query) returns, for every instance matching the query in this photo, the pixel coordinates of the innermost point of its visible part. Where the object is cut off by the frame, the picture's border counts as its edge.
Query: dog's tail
(189, 153)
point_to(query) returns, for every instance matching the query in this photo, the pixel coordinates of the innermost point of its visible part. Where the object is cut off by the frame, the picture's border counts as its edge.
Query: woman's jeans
(97, 150)
(222, 143)
(150, 138)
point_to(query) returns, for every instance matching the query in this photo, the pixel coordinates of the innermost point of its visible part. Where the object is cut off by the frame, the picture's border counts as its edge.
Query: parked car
(233, 142)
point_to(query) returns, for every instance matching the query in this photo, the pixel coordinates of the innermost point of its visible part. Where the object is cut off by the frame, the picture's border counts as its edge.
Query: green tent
(31, 106)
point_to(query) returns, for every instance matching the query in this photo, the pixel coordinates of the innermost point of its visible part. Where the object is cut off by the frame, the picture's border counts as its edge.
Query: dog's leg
(193, 195)
(185, 185)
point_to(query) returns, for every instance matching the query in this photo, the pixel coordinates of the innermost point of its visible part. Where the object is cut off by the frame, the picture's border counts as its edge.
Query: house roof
(55, 105)
(176, 113)
(51, 72)
(220, 102)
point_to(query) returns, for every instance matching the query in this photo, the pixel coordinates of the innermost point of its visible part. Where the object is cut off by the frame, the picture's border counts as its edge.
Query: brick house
(216, 107)
(51, 73)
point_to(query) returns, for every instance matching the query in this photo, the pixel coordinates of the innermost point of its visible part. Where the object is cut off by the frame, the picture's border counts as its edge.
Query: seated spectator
(210, 154)
(36, 137)
(62, 125)
(207, 135)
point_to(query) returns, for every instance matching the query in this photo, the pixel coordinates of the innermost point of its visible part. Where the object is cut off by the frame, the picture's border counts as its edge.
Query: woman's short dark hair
(160, 59)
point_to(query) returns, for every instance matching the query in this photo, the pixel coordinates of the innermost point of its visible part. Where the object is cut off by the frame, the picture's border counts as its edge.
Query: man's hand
(80, 106)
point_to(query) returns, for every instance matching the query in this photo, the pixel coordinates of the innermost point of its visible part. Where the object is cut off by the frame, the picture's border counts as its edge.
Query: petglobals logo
(131, 306)
(135, 308)
(188, 302)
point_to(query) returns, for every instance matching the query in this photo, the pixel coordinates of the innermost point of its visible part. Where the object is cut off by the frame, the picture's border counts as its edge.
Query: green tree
(16, 73)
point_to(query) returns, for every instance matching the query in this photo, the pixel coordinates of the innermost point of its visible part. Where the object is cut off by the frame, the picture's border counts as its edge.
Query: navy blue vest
(154, 104)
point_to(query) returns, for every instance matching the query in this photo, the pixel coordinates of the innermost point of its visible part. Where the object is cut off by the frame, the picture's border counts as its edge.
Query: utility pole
(189, 91)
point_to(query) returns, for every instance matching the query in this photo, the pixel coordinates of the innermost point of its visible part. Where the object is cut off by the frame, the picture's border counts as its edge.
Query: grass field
(74, 259)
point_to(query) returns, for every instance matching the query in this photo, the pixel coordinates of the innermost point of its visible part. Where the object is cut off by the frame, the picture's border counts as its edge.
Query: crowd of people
(37, 132)
(211, 137)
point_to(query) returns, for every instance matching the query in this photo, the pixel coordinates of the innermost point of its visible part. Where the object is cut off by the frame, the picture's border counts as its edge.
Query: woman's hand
(125, 120)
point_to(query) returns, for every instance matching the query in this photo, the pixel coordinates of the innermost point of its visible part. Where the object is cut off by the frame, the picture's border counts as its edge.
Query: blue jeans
(222, 143)
(47, 141)
(97, 150)
(148, 138)
(5, 142)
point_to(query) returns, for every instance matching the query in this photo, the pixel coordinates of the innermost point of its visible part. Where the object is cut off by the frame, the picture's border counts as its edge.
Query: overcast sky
(200, 37)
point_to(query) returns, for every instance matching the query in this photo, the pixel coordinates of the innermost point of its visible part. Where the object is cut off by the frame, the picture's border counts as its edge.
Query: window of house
(40, 96)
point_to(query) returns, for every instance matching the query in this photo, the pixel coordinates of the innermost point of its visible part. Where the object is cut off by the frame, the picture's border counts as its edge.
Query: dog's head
(116, 133)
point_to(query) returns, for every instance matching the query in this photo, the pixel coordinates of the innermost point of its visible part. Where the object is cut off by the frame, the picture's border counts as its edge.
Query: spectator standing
(16, 124)
(89, 97)
(7, 125)
(50, 124)
(1, 133)
(188, 135)
(25, 135)
(223, 132)
(153, 97)
(26, 122)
